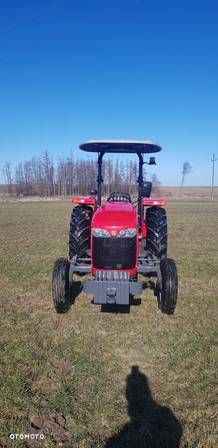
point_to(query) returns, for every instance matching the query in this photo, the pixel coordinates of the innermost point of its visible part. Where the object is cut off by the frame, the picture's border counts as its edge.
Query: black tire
(168, 292)
(79, 234)
(156, 222)
(60, 285)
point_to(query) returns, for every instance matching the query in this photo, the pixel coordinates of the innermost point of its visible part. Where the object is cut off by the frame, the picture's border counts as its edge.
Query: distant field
(190, 192)
(203, 193)
(107, 380)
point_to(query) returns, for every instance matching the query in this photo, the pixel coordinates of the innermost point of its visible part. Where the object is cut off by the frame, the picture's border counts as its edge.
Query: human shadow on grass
(150, 425)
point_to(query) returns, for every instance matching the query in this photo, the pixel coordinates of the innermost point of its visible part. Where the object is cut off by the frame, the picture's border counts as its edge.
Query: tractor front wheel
(168, 293)
(60, 286)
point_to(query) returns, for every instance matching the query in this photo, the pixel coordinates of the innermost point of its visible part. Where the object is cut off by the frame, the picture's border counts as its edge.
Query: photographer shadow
(150, 425)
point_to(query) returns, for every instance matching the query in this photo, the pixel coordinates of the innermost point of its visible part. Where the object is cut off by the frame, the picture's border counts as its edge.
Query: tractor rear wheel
(168, 292)
(156, 241)
(79, 234)
(60, 285)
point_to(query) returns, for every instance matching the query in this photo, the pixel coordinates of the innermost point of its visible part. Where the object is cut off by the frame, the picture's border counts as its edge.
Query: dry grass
(79, 365)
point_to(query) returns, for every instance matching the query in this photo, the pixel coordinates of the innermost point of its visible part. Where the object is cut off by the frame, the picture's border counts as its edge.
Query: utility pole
(213, 160)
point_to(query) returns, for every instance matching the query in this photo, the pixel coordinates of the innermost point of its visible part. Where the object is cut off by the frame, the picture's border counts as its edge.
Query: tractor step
(111, 287)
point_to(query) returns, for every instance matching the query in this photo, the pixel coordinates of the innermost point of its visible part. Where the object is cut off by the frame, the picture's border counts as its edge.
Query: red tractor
(117, 241)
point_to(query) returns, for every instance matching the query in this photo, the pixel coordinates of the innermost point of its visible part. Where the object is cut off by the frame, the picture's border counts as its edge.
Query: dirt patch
(52, 426)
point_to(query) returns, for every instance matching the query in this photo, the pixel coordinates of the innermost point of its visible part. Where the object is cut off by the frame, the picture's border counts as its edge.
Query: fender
(84, 200)
(149, 202)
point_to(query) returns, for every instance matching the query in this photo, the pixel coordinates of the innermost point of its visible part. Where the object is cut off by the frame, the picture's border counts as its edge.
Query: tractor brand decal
(113, 233)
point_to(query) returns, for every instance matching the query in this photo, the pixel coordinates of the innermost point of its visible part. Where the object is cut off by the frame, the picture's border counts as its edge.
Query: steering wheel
(119, 197)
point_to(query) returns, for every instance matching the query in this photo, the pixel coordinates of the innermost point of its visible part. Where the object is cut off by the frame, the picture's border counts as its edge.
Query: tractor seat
(119, 197)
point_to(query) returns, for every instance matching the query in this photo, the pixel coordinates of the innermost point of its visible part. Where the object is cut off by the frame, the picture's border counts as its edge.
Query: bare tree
(39, 176)
(8, 177)
(70, 175)
(155, 184)
(19, 179)
(28, 178)
(48, 174)
(62, 177)
(186, 169)
(109, 175)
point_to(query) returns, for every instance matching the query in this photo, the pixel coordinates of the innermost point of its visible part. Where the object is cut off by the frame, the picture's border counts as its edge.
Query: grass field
(91, 379)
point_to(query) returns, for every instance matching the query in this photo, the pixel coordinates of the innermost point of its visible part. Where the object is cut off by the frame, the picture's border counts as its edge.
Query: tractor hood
(115, 215)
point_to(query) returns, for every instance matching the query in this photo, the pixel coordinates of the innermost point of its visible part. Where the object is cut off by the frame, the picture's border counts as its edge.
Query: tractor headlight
(127, 233)
(98, 232)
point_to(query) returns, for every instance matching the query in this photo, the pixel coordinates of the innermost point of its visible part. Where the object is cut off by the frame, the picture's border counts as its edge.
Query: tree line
(41, 177)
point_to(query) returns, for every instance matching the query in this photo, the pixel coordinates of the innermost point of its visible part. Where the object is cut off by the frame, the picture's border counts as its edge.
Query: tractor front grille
(114, 253)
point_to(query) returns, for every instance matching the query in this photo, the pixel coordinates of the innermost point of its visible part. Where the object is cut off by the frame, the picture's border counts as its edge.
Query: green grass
(79, 364)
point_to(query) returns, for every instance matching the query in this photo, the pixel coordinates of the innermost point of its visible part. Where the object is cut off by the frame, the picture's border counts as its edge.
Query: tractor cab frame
(124, 147)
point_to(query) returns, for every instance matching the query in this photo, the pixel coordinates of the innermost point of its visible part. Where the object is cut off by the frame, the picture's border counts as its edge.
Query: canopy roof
(120, 146)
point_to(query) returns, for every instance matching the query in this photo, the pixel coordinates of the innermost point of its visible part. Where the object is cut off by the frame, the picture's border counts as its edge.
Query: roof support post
(99, 177)
(140, 186)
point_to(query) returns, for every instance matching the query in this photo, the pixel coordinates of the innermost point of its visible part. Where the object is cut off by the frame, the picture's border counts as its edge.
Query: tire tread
(60, 285)
(156, 222)
(169, 286)
(79, 232)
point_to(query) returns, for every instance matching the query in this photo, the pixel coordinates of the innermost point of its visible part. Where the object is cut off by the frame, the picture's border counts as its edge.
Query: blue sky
(74, 70)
